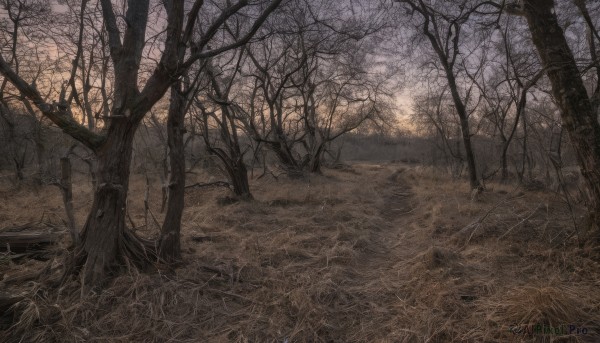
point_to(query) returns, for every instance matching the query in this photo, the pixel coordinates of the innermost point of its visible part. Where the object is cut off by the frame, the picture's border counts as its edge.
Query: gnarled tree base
(96, 270)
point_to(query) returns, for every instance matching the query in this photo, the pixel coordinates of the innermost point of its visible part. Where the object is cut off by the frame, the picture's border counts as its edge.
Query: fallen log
(28, 244)
(19, 228)
(20, 242)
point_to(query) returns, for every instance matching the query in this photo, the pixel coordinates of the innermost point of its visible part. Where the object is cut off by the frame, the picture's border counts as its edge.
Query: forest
(299, 171)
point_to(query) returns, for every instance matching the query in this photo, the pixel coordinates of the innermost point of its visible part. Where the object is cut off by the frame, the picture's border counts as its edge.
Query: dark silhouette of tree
(443, 24)
(578, 112)
(106, 243)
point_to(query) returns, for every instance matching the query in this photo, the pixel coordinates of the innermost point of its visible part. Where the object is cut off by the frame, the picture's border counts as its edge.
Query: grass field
(368, 253)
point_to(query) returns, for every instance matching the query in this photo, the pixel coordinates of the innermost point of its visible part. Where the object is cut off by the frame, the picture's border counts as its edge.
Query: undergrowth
(369, 253)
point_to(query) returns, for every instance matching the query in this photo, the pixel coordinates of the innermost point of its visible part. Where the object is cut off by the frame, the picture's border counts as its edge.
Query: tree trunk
(285, 157)
(465, 130)
(233, 160)
(504, 177)
(42, 164)
(106, 244)
(170, 245)
(315, 166)
(315, 162)
(447, 58)
(239, 178)
(504, 159)
(18, 170)
(66, 187)
(578, 116)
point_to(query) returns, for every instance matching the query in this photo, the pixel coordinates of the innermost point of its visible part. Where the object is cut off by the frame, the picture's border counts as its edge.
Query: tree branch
(257, 24)
(114, 36)
(56, 113)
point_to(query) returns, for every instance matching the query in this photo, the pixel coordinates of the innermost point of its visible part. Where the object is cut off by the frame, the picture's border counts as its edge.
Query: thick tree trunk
(239, 178)
(170, 246)
(106, 244)
(233, 161)
(577, 112)
(235, 168)
(284, 155)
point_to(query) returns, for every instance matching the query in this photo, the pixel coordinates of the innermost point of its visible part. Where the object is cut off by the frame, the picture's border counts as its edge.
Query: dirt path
(374, 285)
(396, 198)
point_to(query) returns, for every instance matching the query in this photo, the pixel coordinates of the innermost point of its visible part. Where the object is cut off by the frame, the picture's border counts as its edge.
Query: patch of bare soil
(384, 253)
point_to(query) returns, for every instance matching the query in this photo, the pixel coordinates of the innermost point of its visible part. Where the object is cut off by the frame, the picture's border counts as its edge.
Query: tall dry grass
(370, 253)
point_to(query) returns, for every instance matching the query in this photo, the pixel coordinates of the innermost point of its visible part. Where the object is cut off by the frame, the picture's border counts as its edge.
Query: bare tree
(25, 20)
(17, 132)
(435, 116)
(311, 83)
(221, 118)
(106, 242)
(444, 25)
(507, 88)
(577, 110)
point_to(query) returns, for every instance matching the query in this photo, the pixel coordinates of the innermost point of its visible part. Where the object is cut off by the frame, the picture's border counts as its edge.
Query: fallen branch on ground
(28, 244)
(210, 184)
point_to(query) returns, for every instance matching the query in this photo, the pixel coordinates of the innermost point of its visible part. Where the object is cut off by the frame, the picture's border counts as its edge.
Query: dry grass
(375, 253)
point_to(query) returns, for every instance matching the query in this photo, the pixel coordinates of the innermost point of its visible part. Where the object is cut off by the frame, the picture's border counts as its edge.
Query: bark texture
(577, 112)
(106, 244)
(170, 246)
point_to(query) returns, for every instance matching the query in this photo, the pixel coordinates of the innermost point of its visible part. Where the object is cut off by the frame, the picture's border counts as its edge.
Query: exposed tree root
(95, 270)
